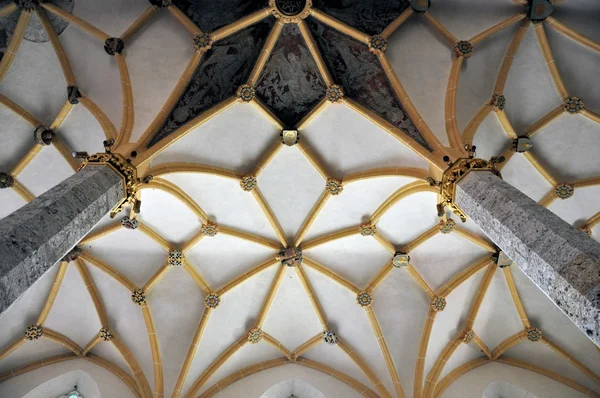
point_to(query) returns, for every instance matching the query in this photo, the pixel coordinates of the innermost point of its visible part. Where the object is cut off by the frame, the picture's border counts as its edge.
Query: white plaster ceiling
(345, 142)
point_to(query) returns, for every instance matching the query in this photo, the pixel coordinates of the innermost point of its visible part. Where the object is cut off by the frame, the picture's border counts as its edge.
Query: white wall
(65, 383)
(108, 385)
(254, 386)
(474, 383)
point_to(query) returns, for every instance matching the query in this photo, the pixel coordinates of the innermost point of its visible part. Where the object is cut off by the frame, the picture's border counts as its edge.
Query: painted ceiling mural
(288, 216)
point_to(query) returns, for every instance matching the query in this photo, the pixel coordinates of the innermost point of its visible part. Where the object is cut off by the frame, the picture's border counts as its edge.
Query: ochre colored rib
(80, 23)
(415, 116)
(25, 160)
(510, 56)
(138, 23)
(331, 274)
(264, 206)
(314, 300)
(246, 275)
(191, 352)
(174, 190)
(166, 109)
(316, 54)
(310, 219)
(340, 26)
(365, 368)
(16, 108)
(545, 120)
(62, 269)
(262, 315)
(63, 59)
(240, 24)
(265, 53)
(307, 345)
(184, 20)
(92, 291)
(515, 296)
(496, 28)
(15, 43)
(547, 52)
(146, 154)
(441, 29)
(392, 27)
(578, 37)
(107, 126)
(385, 352)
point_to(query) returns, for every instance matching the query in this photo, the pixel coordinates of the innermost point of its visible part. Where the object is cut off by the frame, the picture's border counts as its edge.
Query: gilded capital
(454, 174)
(124, 168)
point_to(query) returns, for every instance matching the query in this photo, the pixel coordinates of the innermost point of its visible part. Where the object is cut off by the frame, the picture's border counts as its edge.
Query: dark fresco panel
(369, 16)
(290, 83)
(222, 70)
(360, 74)
(211, 15)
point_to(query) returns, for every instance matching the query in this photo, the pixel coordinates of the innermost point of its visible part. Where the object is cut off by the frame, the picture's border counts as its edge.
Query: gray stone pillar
(38, 235)
(563, 261)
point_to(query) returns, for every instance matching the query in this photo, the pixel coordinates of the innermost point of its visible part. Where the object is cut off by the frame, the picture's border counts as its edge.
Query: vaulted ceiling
(378, 94)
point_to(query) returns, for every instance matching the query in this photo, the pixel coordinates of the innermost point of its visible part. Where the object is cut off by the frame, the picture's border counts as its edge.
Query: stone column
(563, 261)
(38, 235)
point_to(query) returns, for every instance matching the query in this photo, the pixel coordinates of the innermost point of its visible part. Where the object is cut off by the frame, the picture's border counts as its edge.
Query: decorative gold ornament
(534, 334)
(72, 255)
(248, 183)
(210, 229)
(255, 335)
(291, 256)
(447, 226)
(334, 93)
(202, 41)
(246, 93)
(129, 223)
(129, 173)
(564, 191)
(454, 174)
(330, 337)
(334, 187)
(175, 258)
(105, 334)
(573, 105)
(114, 46)
(498, 101)
(6, 180)
(43, 135)
(139, 297)
(463, 49)
(586, 228)
(212, 300)
(290, 11)
(377, 44)
(34, 332)
(401, 260)
(290, 137)
(468, 337)
(364, 299)
(438, 304)
(367, 229)
(522, 144)
(502, 259)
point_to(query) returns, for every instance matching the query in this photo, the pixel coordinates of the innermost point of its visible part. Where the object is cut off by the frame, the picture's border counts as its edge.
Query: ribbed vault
(216, 295)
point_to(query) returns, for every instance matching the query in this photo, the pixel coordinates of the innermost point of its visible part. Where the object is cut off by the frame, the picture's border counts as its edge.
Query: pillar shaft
(563, 261)
(38, 235)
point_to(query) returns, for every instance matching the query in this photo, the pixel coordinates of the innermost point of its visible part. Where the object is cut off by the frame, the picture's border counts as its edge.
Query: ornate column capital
(452, 176)
(124, 168)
